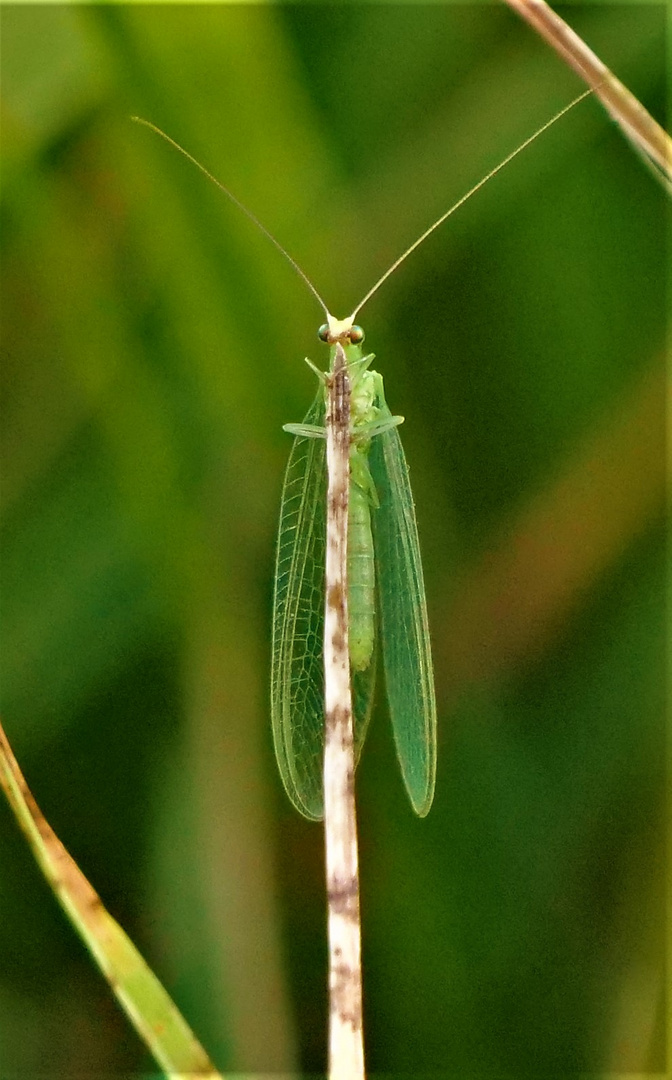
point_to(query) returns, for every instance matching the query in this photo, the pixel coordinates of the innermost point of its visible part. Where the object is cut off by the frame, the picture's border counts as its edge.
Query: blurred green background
(152, 349)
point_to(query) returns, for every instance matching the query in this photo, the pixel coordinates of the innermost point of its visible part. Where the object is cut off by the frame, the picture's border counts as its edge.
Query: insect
(387, 606)
(386, 593)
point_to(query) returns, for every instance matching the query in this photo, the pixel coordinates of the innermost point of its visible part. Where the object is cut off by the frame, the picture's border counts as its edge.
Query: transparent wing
(403, 625)
(297, 673)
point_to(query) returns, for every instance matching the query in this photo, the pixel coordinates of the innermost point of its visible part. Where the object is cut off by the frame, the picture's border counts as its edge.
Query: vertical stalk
(346, 1045)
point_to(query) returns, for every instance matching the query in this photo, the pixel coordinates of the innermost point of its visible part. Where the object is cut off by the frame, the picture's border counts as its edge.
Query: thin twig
(638, 126)
(346, 1045)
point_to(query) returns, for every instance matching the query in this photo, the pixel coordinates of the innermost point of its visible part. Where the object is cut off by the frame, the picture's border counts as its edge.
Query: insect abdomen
(361, 579)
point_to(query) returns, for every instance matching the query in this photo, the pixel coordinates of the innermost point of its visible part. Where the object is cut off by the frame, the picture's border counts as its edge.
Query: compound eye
(356, 335)
(323, 332)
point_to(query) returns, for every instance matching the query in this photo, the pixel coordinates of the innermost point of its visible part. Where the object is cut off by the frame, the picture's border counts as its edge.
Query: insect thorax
(362, 399)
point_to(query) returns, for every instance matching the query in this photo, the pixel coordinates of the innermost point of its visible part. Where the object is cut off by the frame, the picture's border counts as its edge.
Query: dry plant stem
(637, 124)
(346, 1045)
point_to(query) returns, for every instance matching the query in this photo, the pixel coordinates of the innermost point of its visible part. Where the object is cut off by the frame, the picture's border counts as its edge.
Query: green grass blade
(149, 1008)
(404, 629)
(297, 673)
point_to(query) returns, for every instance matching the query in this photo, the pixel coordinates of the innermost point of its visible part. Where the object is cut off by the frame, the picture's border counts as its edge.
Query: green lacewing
(388, 611)
(386, 594)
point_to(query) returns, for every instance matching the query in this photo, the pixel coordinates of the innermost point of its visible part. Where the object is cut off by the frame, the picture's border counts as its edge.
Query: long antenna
(472, 191)
(239, 204)
(340, 325)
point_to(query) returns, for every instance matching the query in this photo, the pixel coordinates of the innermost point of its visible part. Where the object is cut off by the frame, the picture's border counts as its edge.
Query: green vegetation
(152, 350)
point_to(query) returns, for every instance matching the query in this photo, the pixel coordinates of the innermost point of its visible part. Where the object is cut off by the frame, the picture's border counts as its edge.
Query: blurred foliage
(152, 349)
